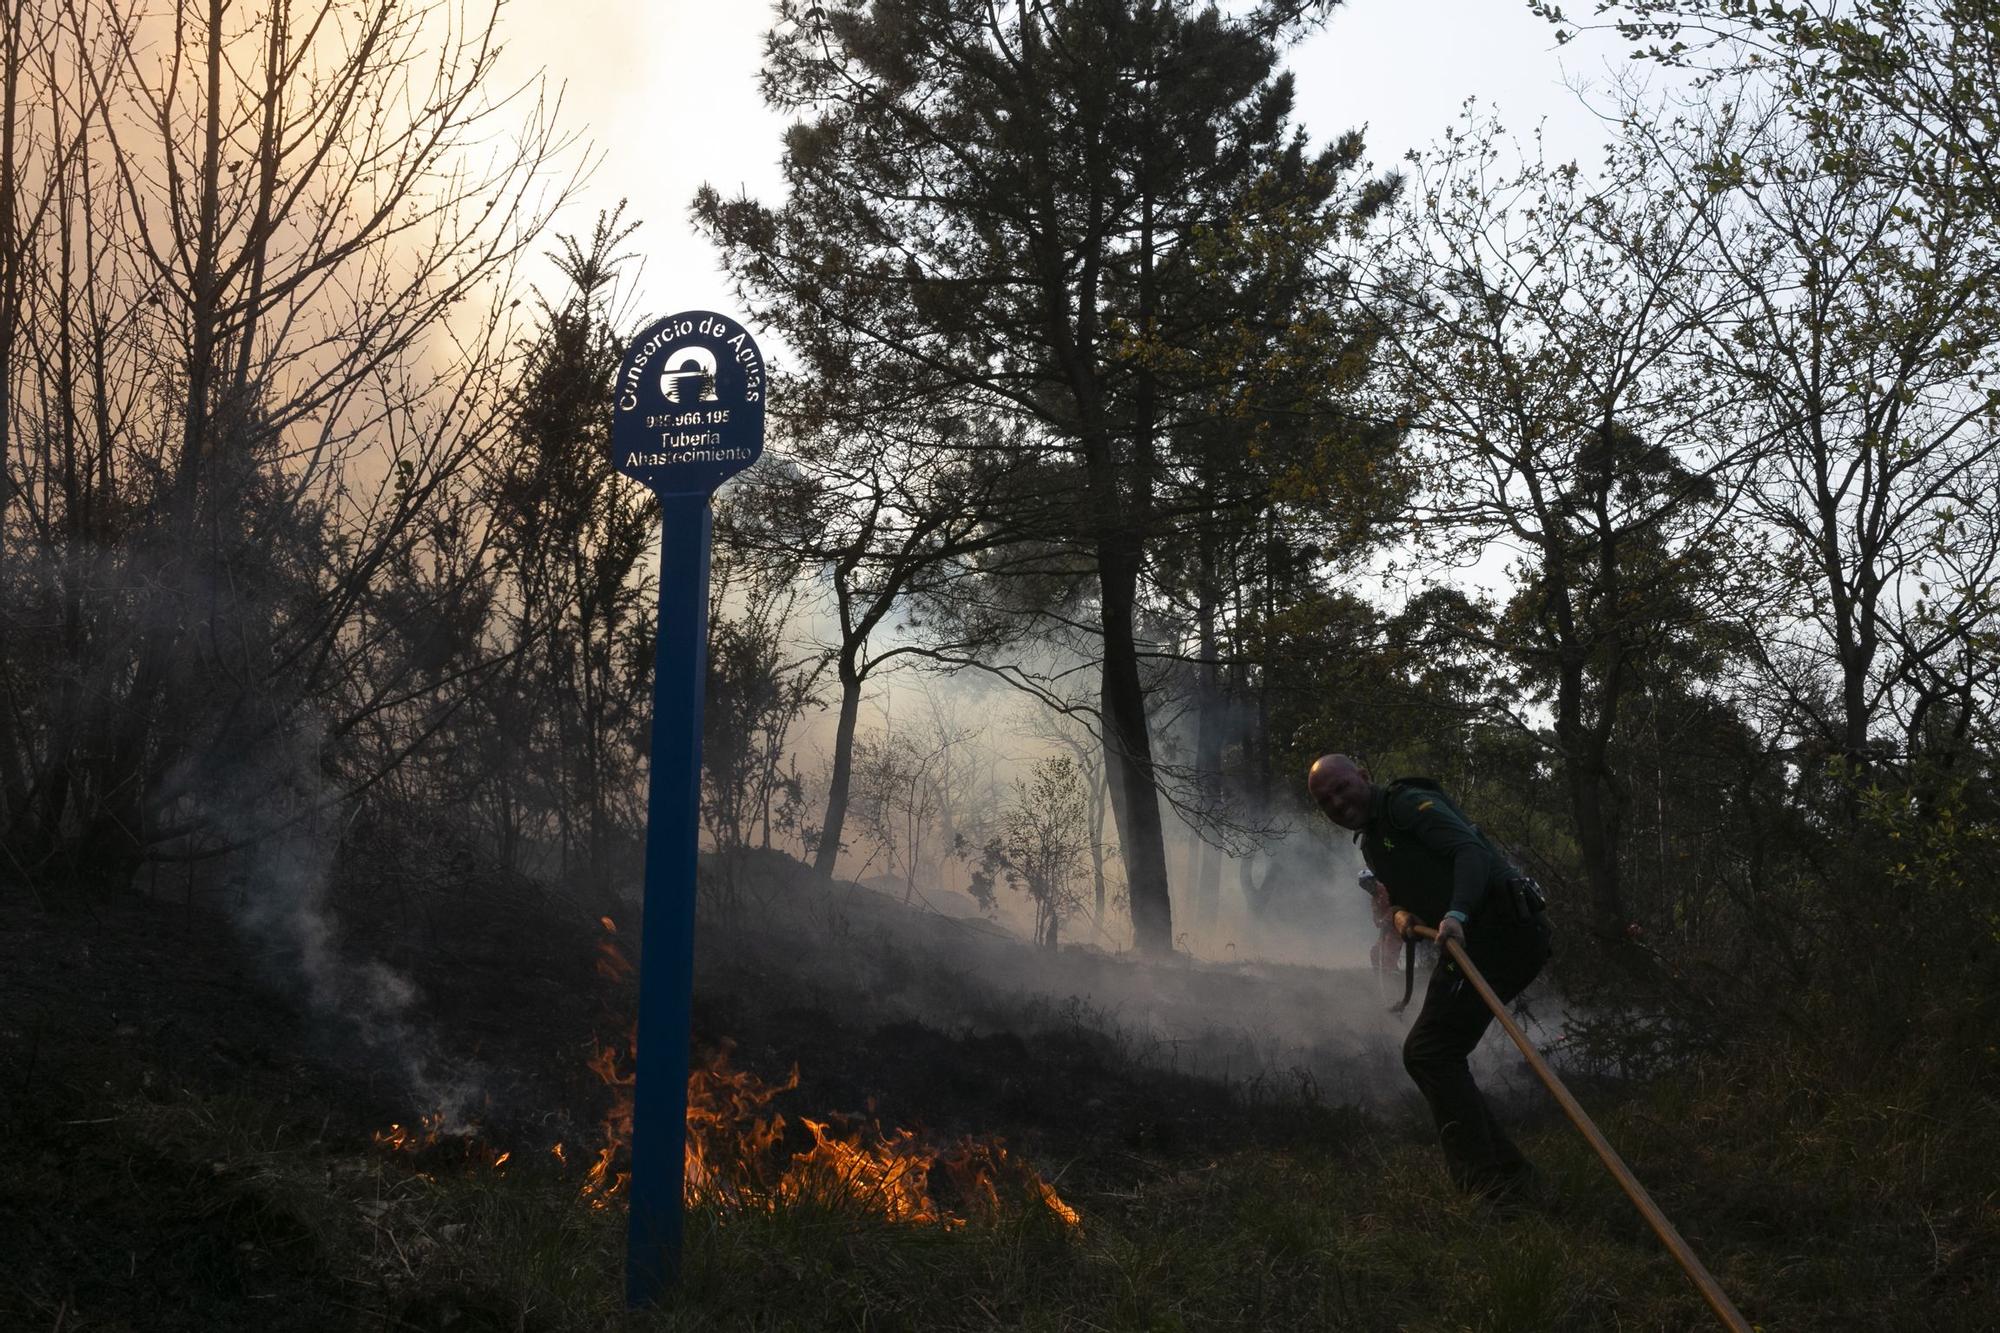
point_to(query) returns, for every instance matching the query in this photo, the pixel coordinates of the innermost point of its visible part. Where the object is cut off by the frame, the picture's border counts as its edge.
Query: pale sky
(667, 91)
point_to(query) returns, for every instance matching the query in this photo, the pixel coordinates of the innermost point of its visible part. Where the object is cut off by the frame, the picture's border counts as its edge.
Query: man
(1437, 865)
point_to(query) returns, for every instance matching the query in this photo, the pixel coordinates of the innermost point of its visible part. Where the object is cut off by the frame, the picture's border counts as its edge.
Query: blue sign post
(688, 414)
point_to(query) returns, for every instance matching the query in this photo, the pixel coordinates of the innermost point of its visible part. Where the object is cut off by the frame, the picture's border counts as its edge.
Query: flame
(736, 1155)
(612, 964)
(1053, 1202)
(730, 1135)
(602, 1183)
(430, 1137)
(400, 1138)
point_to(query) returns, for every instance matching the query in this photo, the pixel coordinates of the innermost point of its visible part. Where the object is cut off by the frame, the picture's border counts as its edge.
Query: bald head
(1341, 788)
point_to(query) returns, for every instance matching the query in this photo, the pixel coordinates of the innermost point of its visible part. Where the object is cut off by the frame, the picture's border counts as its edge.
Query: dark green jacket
(1431, 856)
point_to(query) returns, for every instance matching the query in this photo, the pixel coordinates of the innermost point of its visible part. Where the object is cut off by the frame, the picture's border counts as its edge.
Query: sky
(666, 90)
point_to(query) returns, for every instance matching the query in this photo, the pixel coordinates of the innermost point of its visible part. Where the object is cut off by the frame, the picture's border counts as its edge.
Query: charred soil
(193, 1126)
(196, 1133)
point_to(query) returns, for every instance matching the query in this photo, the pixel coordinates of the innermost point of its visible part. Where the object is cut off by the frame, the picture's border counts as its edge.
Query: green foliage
(1042, 847)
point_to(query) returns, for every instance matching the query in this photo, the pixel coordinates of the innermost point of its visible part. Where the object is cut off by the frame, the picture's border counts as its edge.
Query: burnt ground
(188, 1104)
(131, 1026)
(124, 1018)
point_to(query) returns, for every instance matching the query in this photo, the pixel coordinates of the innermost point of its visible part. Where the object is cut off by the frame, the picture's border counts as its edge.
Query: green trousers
(1479, 1156)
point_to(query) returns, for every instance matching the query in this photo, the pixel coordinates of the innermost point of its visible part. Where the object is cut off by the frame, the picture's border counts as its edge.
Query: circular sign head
(688, 404)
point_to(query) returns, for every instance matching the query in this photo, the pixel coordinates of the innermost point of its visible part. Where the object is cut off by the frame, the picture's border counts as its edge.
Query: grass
(142, 1189)
(274, 1228)
(1816, 1212)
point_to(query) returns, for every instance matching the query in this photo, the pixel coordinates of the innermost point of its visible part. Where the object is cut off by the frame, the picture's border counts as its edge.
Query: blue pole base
(666, 971)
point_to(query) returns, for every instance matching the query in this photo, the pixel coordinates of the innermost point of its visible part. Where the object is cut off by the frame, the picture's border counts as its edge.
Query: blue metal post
(687, 414)
(659, 1094)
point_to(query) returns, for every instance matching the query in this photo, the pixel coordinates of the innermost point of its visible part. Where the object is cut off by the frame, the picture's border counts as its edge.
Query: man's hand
(1449, 929)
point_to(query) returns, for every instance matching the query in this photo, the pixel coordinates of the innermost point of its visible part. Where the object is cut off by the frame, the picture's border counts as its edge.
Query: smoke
(1281, 882)
(273, 802)
(1271, 977)
(1254, 1024)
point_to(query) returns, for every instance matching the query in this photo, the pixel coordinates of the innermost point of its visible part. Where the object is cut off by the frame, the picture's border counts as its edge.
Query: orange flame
(400, 1138)
(735, 1156)
(601, 1183)
(612, 964)
(729, 1132)
(430, 1137)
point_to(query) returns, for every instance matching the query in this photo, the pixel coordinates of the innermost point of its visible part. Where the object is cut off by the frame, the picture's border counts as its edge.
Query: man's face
(1342, 791)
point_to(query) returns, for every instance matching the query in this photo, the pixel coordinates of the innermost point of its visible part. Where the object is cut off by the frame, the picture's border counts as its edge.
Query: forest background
(1104, 386)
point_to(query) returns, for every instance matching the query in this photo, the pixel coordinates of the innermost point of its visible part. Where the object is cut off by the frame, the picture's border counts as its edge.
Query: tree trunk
(828, 851)
(1208, 753)
(1128, 751)
(1097, 801)
(1584, 772)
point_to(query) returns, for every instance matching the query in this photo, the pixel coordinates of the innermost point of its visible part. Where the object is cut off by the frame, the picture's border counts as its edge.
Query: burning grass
(744, 1155)
(245, 1217)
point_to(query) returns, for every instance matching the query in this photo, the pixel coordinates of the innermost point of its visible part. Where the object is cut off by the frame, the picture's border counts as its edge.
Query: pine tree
(1015, 212)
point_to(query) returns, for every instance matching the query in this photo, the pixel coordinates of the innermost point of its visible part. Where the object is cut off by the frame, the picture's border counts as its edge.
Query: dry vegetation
(189, 1149)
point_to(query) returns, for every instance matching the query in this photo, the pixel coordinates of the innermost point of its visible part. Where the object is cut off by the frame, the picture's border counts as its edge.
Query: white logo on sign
(689, 375)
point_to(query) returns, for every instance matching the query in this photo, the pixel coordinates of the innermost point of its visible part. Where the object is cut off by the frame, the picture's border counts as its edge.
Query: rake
(1704, 1281)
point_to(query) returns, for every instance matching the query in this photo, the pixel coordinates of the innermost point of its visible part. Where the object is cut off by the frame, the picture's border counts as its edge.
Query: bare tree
(1071, 731)
(1864, 329)
(257, 333)
(872, 515)
(757, 692)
